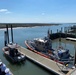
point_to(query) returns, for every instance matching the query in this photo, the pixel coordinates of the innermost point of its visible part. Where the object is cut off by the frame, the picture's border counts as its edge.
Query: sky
(37, 11)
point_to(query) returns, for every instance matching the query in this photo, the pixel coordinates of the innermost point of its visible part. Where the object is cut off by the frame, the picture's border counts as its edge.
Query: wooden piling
(12, 34)
(5, 38)
(75, 57)
(7, 33)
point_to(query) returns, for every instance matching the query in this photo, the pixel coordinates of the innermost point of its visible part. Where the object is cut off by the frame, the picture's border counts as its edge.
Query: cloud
(4, 11)
(8, 12)
(43, 13)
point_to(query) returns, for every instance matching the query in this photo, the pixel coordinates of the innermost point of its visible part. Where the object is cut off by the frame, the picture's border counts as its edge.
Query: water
(22, 34)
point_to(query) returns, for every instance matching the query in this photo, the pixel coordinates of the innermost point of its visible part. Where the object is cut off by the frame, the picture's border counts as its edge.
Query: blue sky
(37, 11)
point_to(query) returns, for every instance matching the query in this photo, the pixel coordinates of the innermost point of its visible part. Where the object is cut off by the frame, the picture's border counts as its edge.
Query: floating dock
(71, 39)
(45, 62)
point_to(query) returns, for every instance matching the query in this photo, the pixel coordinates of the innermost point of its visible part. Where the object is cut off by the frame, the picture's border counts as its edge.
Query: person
(0, 67)
(7, 71)
(3, 67)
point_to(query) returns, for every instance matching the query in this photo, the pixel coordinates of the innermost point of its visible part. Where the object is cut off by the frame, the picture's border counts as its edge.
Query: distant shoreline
(3, 25)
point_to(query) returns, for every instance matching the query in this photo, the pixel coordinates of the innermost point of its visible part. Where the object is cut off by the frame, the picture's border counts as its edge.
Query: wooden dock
(45, 62)
(71, 39)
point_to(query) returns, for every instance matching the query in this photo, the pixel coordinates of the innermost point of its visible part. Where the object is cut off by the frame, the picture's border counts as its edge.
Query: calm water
(22, 34)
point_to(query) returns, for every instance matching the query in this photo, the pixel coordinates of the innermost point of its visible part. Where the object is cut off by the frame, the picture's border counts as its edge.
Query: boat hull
(13, 59)
(44, 55)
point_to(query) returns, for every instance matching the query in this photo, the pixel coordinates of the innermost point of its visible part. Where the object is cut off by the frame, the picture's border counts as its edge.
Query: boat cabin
(42, 44)
(63, 54)
(12, 52)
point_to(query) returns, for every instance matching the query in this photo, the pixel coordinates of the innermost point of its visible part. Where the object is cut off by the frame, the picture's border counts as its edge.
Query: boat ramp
(45, 62)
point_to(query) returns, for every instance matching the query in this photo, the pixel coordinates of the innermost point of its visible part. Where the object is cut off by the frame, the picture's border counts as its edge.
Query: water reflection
(66, 44)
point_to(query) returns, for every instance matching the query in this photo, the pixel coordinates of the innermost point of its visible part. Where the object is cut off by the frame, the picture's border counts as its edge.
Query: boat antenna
(7, 32)
(48, 33)
(12, 34)
(60, 38)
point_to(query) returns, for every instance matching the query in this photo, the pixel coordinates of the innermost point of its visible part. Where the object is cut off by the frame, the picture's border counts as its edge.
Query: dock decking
(47, 63)
(72, 72)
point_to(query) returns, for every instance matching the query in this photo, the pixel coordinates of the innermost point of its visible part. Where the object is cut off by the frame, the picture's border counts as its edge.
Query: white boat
(44, 47)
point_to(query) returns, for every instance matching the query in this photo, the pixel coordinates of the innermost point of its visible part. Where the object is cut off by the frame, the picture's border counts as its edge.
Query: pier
(44, 62)
(72, 39)
(61, 35)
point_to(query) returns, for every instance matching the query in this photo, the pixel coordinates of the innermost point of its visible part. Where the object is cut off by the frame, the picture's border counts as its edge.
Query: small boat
(43, 47)
(10, 49)
(11, 52)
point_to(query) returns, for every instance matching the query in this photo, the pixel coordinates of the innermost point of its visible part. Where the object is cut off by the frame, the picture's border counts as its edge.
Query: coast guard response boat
(43, 47)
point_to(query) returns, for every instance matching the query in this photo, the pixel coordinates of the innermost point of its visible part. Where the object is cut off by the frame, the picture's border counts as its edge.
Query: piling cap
(6, 70)
(0, 62)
